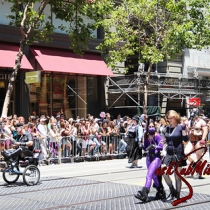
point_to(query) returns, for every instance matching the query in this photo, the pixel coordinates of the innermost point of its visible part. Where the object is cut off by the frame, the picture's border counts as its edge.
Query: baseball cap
(42, 119)
(18, 125)
(136, 118)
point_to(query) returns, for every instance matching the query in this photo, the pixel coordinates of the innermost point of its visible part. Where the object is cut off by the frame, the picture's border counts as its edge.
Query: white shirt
(42, 129)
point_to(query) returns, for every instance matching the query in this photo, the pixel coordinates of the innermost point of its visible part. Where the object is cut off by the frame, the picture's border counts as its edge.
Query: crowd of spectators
(82, 136)
(76, 137)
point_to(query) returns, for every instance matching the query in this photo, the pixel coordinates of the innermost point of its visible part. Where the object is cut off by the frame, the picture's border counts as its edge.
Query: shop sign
(4, 76)
(194, 101)
(32, 77)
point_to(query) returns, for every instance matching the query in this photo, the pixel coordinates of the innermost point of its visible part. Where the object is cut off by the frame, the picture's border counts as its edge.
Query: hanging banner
(194, 101)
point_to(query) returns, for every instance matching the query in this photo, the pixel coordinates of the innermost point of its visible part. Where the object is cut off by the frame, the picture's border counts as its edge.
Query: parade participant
(198, 131)
(152, 145)
(134, 136)
(175, 134)
(25, 139)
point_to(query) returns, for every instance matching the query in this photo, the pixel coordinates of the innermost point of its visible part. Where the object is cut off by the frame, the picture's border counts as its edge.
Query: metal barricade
(108, 148)
(65, 146)
(36, 143)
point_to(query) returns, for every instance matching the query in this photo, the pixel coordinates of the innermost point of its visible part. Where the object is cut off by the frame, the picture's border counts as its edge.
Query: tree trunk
(13, 78)
(146, 83)
(21, 50)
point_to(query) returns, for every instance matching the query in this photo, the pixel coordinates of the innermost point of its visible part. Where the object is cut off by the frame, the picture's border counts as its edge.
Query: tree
(155, 30)
(36, 26)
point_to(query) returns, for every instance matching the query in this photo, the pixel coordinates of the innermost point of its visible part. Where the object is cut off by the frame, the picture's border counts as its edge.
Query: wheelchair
(28, 161)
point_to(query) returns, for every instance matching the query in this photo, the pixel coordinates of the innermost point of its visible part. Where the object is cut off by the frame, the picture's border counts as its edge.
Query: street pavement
(97, 185)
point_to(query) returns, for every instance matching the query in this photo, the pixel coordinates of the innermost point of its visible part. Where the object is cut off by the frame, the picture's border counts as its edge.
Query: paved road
(94, 185)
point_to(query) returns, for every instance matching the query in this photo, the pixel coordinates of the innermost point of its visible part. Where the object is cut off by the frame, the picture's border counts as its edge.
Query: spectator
(54, 139)
(122, 144)
(65, 135)
(113, 133)
(117, 121)
(104, 131)
(85, 135)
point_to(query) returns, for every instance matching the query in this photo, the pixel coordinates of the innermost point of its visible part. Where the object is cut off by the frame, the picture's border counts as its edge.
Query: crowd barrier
(81, 148)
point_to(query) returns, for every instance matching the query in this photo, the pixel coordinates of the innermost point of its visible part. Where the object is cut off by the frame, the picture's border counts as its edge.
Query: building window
(56, 93)
(92, 89)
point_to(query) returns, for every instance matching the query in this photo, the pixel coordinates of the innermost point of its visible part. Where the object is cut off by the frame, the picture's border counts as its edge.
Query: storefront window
(56, 93)
(92, 89)
(39, 96)
(71, 89)
(82, 96)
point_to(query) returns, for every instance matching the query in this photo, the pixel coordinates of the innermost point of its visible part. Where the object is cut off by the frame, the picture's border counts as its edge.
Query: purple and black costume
(153, 159)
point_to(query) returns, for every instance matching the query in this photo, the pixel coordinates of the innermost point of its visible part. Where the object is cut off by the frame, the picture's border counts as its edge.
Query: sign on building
(32, 77)
(194, 101)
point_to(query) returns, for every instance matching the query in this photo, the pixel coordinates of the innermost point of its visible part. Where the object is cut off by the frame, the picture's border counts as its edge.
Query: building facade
(177, 84)
(79, 86)
(68, 82)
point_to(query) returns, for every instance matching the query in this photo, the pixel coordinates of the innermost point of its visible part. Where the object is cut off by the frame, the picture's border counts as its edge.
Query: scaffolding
(164, 85)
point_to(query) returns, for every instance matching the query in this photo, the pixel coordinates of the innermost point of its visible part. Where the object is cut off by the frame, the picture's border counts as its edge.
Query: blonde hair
(162, 120)
(174, 114)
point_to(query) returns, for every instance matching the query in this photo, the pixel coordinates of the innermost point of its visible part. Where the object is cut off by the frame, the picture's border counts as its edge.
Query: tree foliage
(155, 30)
(36, 25)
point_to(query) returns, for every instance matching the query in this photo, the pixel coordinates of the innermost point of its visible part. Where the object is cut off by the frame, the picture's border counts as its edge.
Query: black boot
(177, 195)
(161, 194)
(143, 195)
(172, 194)
(8, 155)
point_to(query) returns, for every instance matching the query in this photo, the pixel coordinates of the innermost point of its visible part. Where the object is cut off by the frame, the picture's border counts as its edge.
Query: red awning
(8, 54)
(68, 62)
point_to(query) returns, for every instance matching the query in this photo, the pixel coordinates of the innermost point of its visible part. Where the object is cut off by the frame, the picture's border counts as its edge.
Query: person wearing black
(134, 136)
(24, 144)
(175, 134)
